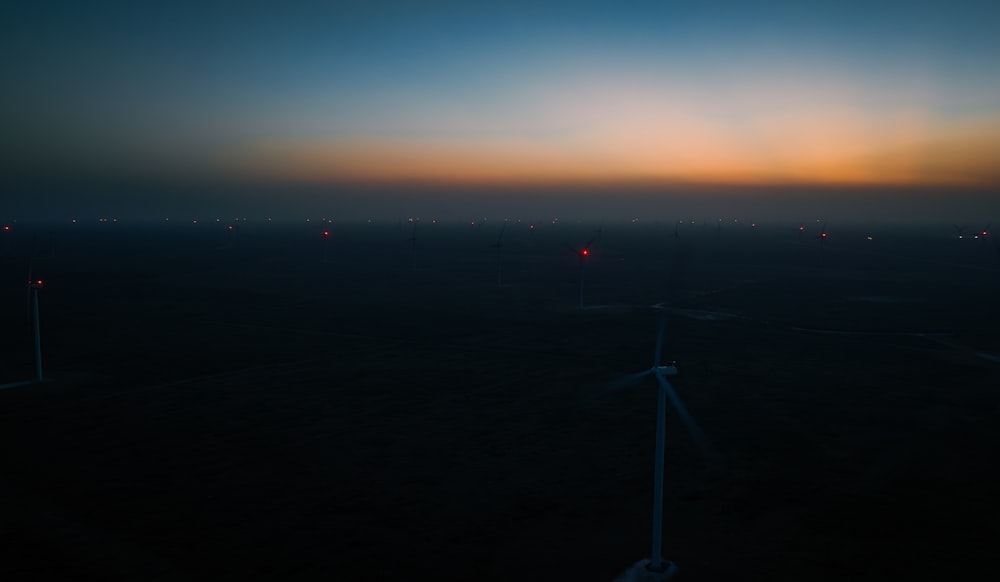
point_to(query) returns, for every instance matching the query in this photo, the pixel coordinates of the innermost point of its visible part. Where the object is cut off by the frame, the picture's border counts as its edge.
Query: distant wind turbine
(822, 235)
(499, 246)
(33, 286)
(413, 243)
(584, 252)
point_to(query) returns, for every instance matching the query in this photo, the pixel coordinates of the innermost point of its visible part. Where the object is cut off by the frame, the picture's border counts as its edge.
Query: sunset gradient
(581, 94)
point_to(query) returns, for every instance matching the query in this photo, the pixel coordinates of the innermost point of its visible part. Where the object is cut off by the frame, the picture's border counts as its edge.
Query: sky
(355, 106)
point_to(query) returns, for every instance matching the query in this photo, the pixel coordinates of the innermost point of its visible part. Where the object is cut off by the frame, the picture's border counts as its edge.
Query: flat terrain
(266, 402)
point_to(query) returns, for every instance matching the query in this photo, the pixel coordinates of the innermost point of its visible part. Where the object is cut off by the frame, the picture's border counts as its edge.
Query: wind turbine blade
(626, 381)
(596, 237)
(502, 228)
(692, 427)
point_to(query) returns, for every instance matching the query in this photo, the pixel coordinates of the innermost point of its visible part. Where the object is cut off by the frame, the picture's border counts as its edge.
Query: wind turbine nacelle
(667, 369)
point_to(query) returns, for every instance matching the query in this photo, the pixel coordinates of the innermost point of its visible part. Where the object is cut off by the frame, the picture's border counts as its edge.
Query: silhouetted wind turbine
(33, 286)
(822, 235)
(959, 230)
(326, 245)
(499, 247)
(583, 253)
(656, 568)
(413, 243)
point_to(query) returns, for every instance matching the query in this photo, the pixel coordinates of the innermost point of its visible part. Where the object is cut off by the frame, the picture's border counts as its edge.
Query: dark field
(268, 403)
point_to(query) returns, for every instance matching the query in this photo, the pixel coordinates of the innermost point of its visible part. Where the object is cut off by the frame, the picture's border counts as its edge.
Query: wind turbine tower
(33, 286)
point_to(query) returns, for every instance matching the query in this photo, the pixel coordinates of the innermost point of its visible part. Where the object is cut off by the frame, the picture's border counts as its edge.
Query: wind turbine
(326, 245)
(499, 246)
(33, 286)
(822, 235)
(413, 243)
(656, 568)
(584, 252)
(959, 230)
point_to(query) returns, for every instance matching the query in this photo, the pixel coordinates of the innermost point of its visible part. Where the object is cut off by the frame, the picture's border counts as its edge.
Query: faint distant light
(326, 233)
(801, 228)
(433, 221)
(73, 221)
(244, 219)
(166, 219)
(6, 228)
(753, 225)
(114, 220)
(230, 227)
(823, 235)
(195, 221)
(869, 237)
(531, 227)
(218, 220)
(269, 219)
(308, 220)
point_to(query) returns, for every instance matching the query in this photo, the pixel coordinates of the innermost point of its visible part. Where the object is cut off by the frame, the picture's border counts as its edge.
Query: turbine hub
(668, 369)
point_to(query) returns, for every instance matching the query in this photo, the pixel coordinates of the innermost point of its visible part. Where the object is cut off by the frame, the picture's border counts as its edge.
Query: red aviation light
(6, 228)
(326, 233)
(585, 252)
(823, 235)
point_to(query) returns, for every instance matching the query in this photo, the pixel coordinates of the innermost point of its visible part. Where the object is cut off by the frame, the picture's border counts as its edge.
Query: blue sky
(518, 93)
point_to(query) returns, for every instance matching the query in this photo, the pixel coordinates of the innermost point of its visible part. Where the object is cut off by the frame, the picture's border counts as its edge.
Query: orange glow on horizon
(805, 146)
